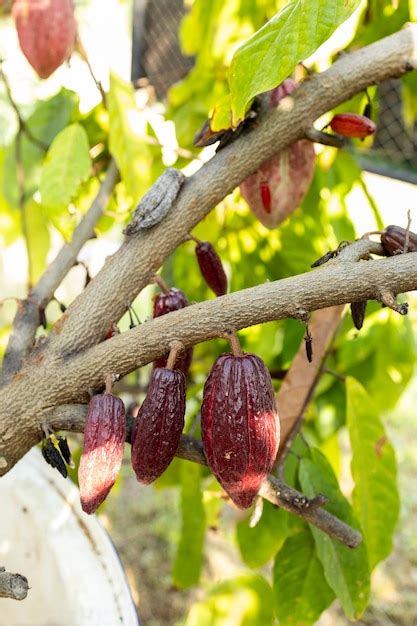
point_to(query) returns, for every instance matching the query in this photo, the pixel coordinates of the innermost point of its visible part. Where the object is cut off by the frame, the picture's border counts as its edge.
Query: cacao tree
(131, 212)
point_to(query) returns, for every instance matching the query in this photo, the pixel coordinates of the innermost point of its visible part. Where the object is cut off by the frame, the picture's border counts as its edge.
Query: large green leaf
(37, 238)
(300, 588)
(345, 570)
(126, 138)
(243, 601)
(67, 166)
(375, 496)
(47, 120)
(271, 54)
(260, 544)
(189, 557)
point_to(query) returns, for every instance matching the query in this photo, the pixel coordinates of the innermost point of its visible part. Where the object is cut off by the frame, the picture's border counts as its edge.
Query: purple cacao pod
(104, 440)
(165, 303)
(211, 267)
(240, 425)
(393, 240)
(158, 426)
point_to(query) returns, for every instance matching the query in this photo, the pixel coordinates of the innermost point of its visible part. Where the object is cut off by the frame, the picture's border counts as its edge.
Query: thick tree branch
(27, 317)
(129, 270)
(72, 418)
(13, 586)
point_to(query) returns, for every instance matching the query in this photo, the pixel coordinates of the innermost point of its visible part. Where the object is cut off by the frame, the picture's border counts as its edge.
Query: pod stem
(109, 383)
(235, 344)
(192, 238)
(161, 283)
(175, 348)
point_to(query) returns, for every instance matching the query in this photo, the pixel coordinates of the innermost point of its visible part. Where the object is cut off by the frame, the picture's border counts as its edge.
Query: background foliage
(47, 185)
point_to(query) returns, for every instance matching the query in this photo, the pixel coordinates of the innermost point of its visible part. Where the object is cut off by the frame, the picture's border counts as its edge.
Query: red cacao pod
(104, 440)
(393, 239)
(164, 303)
(46, 31)
(211, 267)
(276, 189)
(352, 125)
(157, 430)
(239, 424)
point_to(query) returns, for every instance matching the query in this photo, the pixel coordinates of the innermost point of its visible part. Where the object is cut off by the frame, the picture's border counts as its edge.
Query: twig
(83, 54)
(272, 489)
(407, 232)
(388, 299)
(23, 127)
(27, 316)
(14, 586)
(318, 136)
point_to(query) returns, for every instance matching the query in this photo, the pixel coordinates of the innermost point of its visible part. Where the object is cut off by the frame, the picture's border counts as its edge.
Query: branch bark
(14, 586)
(129, 270)
(27, 316)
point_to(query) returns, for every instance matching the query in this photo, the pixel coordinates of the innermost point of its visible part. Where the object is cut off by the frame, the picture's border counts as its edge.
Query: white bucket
(74, 572)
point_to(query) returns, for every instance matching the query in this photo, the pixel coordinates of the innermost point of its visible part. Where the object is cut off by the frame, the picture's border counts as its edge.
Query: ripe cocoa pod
(104, 440)
(158, 426)
(211, 267)
(46, 31)
(358, 313)
(164, 303)
(352, 125)
(276, 189)
(239, 424)
(393, 240)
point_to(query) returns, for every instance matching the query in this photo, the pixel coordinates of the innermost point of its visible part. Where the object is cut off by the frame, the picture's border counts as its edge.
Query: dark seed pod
(309, 345)
(53, 457)
(211, 267)
(164, 303)
(323, 259)
(393, 240)
(158, 426)
(64, 449)
(240, 425)
(358, 313)
(104, 440)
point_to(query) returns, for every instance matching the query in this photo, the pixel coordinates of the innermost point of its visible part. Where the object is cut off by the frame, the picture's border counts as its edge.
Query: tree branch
(140, 256)
(27, 316)
(72, 418)
(13, 586)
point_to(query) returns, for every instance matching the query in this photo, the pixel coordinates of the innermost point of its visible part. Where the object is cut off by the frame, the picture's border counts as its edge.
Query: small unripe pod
(157, 431)
(164, 303)
(211, 267)
(358, 313)
(352, 125)
(104, 440)
(393, 240)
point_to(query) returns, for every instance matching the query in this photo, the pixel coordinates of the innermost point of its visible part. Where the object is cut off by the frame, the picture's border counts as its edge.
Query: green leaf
(271, 54)
(300, 589)
(345, 570)
(374, 470)
(37, 238)
(260, 544)
(244, 601)
(126, 138)
(412, 7)
(67, 166)
(47, 120)
(189, 557)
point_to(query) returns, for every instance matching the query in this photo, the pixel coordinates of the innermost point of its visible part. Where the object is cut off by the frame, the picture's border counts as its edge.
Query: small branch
(272, 489)
(388, 298)
(27, 317)
(83, 54)
(318, 136)
(407, 232)
(14, 586)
